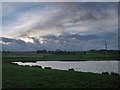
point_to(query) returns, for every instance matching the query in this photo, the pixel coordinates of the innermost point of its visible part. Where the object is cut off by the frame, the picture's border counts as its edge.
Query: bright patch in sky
(27, 40)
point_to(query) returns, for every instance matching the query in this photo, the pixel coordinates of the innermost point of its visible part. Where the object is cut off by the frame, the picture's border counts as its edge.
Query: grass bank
(31, 77)
(14, 76)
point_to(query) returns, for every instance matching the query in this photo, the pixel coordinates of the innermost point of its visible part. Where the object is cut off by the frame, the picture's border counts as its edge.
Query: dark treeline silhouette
(58, 51)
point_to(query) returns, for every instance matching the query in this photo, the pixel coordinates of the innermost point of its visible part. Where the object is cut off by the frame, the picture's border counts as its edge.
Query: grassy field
(14, 76)
(58, 57)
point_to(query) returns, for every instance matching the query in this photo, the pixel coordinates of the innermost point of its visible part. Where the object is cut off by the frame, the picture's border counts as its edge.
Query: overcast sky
(68, 26)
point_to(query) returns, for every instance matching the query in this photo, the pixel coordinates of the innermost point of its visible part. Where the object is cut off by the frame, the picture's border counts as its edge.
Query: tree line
(58, 51)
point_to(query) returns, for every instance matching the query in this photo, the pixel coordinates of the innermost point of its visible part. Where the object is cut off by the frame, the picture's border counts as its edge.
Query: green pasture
(14, 76)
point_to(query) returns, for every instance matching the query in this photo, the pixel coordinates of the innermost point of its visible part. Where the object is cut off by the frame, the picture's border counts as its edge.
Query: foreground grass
(14, 76)
(30, 77)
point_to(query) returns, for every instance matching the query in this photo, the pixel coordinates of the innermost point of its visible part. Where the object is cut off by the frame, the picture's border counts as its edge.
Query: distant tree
(84, 52)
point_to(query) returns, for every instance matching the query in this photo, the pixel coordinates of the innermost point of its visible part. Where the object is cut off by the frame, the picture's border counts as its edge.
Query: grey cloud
(50, 37)
(75, 13)
(64, 42)
(77, 39)
(23, 35)
(20, 45)
(100, 19)
(69, 37)
(35, 40)
(6, 39)
(16, 45)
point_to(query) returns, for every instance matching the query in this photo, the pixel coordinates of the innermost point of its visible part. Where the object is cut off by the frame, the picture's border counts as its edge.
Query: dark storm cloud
(6, 39)
(79, 36)
(17, 45)
(64, 41)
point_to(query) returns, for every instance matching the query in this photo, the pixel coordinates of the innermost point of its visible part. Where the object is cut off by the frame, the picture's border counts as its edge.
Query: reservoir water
(84, 66)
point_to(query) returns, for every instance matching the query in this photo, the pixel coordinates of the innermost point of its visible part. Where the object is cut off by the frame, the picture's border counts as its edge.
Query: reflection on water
(84, 66)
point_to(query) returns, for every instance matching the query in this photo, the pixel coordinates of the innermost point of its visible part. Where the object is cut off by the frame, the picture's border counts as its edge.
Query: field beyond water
(59, 57)
(14, 76)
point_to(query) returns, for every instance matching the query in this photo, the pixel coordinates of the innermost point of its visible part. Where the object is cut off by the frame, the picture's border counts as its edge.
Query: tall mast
(106, 46)
(106, 50)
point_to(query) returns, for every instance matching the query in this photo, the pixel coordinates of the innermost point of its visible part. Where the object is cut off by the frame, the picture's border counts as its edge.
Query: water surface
(84, 66)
